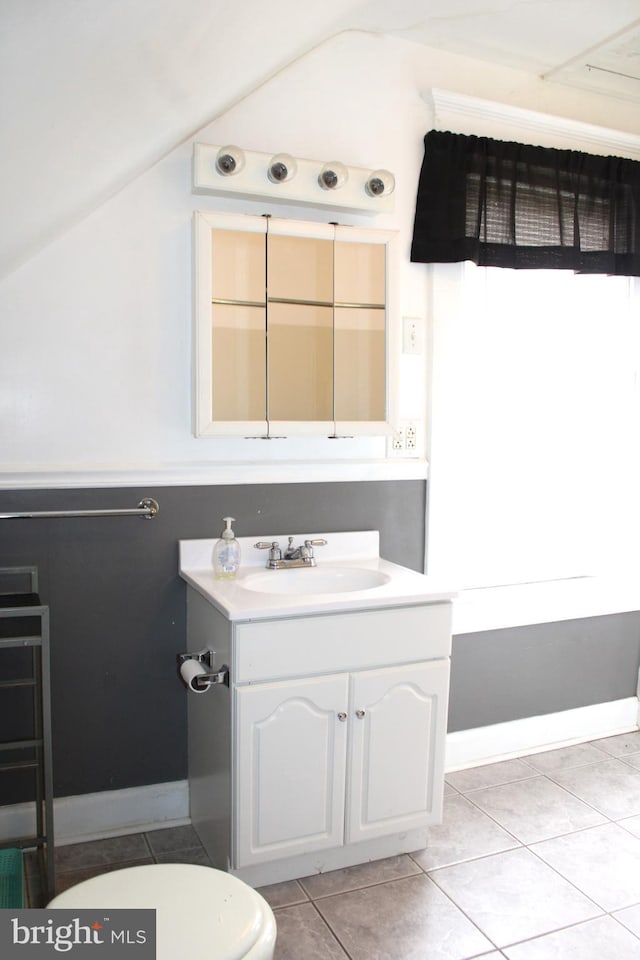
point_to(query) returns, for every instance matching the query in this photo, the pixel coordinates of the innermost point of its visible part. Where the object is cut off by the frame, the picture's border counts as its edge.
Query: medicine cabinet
(292, 327)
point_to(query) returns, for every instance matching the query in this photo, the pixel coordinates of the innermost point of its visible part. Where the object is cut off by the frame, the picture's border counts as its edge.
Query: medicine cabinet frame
(206, 425)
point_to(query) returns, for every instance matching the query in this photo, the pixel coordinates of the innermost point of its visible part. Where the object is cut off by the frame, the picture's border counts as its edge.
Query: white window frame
(508, 606)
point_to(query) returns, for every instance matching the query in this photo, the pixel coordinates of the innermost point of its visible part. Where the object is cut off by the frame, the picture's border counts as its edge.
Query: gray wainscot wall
(503, 675)
(118, 613)
(118, 605)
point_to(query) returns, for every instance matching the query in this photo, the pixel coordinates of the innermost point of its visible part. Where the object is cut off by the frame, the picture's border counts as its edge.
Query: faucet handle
(272, 546)
(307, 550)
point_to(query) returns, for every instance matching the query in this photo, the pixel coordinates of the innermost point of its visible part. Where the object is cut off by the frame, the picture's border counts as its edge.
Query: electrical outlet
(404, 439)
(397, 440)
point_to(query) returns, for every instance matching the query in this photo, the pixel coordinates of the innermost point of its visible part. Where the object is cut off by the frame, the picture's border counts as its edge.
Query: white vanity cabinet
(327, 748)
(339, 730)
(338, 759)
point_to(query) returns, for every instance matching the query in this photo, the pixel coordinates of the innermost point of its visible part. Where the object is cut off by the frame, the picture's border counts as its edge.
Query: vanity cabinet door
(290, 774)
(396, 763)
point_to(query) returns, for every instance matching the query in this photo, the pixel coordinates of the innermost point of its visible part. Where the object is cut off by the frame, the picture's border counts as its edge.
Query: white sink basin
(314, 580)
(350, 575)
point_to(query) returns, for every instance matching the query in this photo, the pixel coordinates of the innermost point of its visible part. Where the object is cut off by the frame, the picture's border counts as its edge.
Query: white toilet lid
(200, 912)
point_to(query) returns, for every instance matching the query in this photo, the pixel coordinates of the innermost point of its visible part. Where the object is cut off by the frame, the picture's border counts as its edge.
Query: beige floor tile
(535, 809)
(408, 919)
(475, 888)
(632, 760)
(465, 833)
(632, 824)
(513, 896)
(283, 894)
(600, 939)
(303, 935)
(488, 776)
(603, 862)
(630, 918)
(612, 787)
(618, 746)
(112, 850)
(173, 838)
(566, 757)
(362, 875)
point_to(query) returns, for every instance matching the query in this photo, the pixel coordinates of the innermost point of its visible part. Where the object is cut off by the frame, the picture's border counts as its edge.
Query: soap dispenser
(226, 553)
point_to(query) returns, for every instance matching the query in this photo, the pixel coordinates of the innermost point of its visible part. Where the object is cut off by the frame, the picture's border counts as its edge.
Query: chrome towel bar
(147, 508)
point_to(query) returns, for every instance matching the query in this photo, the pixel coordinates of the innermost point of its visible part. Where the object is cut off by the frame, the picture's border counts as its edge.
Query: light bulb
(380, 183)
(281, 168)
(229, 161)
(333, 175)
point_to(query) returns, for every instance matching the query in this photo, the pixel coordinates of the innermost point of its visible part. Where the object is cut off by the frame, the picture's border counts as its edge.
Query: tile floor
(537, 859)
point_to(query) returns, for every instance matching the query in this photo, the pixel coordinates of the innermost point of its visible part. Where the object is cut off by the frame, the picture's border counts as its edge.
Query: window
(535, 448)
(509, 204)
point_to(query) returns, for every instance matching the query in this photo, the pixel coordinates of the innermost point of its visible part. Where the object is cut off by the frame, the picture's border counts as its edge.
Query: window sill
(499, 608)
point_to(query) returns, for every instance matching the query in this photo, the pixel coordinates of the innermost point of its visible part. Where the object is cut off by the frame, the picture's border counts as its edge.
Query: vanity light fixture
(230, 171)
(333, 175)
(282, 168)
(379, 183)
(229, 161)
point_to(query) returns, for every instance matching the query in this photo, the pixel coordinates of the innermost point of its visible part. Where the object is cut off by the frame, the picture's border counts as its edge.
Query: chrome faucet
(300, 556)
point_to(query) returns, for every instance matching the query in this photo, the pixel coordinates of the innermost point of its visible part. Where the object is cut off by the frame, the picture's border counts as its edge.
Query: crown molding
(461, 113)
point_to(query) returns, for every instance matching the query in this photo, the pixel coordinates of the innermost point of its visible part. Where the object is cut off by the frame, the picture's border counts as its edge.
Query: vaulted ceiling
(92, 92)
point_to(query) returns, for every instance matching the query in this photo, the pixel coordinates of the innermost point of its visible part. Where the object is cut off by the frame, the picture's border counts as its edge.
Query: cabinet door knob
(342, 716)
(359, 714)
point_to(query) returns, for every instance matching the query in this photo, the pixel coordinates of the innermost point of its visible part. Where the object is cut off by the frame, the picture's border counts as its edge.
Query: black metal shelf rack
(24, 624)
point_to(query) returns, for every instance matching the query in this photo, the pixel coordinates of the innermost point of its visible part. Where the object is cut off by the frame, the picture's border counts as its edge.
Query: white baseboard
(502, 741)
(111, 813)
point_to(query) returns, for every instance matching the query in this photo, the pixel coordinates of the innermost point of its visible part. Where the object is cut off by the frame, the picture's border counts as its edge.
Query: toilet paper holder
(204, 680)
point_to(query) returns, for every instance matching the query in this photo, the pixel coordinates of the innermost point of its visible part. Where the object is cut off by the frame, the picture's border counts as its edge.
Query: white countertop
(359, 549)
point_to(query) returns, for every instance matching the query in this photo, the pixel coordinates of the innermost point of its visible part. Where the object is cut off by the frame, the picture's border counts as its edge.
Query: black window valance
(508, 204)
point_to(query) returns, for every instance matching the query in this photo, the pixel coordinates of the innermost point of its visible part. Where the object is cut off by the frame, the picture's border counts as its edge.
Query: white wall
(95, 366)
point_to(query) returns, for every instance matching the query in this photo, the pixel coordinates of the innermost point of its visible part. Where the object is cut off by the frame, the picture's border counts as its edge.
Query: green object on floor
(11, 879)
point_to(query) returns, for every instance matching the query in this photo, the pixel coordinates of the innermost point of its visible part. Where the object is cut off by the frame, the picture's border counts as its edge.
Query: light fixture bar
(252, 178)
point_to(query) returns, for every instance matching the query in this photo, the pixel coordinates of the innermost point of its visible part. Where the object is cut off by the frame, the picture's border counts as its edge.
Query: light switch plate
(412, 335)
